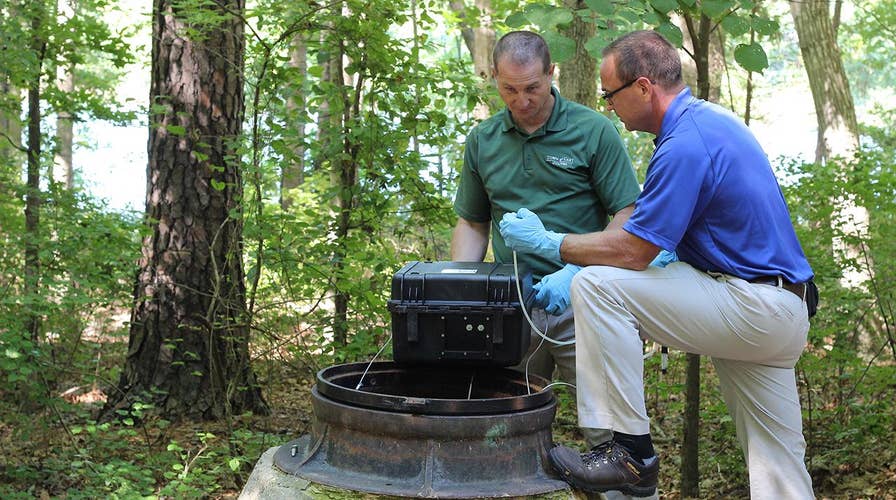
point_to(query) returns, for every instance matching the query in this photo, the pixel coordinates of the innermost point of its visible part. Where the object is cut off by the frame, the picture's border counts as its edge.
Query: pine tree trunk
(188, 349)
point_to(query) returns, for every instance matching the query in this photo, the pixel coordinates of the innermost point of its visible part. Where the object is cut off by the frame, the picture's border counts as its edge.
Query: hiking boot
(608, 466)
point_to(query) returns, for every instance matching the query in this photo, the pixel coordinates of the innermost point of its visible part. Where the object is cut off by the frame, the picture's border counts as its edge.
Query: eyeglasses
(608, 96)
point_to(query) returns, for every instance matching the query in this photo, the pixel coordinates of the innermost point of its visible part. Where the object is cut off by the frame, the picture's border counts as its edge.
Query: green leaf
(596, 44)
(751, 57)
(714, 9)
(765, 26)
(547, 17)
(218, 185)
(735, 25)
(176, 130)
(562, 48)
(671, 32)
(516, 20)
(653, 18)
(664, 6)
(234, 464)
(603, 7)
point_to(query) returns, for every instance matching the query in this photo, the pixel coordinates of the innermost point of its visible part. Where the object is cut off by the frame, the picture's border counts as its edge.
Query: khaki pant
(753, 333)
(543, 357)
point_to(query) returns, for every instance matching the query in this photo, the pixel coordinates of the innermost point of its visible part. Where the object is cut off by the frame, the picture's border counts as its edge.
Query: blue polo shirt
(710, 194)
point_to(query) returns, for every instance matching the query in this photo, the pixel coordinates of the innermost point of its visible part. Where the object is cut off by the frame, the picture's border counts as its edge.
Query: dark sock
(641, 447)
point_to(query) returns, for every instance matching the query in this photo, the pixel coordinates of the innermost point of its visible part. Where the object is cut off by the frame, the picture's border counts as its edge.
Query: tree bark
(189, 337)
(700, 34)
(838, 130)
(834, 107)
(32, 189)
(293, 174)
(343, 176)
(480, 39)
(62, 165)
(11, 148)
(578, 76)
(63, 171)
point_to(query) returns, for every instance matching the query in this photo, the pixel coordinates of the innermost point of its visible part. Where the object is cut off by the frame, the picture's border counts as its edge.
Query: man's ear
(644, 85)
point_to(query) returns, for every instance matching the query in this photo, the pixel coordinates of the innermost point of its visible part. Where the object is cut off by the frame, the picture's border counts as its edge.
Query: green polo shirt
(574, 172)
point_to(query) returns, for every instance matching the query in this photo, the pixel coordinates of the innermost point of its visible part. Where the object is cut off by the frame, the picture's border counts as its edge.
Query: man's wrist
(556, 240)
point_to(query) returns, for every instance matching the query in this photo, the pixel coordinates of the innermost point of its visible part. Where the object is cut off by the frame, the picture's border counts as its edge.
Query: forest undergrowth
(56, 449)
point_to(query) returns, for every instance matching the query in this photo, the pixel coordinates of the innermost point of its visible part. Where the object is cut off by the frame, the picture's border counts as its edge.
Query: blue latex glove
(664, 258)
(553, 290)
(523, 231)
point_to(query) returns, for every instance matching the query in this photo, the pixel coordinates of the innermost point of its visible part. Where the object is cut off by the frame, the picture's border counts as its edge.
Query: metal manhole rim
(327, 385)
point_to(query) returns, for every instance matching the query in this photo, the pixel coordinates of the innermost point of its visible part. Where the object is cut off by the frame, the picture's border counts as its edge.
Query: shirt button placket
(527, 157)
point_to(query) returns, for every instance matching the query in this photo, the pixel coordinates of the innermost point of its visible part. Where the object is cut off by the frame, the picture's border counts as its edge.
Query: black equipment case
(459, 312)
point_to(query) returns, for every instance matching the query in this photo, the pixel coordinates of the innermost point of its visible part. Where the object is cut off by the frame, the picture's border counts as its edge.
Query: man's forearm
(469, 241)
(620, 217)
(611, 247)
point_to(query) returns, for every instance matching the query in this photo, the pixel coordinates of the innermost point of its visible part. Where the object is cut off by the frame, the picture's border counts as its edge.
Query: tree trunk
(748, 102)
(343, 176)
(10, 138)
(293, 174)
(32, 191)
(578, 76)
(838, 134)
(834, 108)
(62, 165)
(63, 171)
(700, 34)
(480, 40)
(189, 337)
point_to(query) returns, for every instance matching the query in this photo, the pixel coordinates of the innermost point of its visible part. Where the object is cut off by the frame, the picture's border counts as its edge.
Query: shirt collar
(676, 108)
(556, 122)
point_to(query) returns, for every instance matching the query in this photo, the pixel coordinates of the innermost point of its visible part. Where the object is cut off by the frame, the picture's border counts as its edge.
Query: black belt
(798, 289)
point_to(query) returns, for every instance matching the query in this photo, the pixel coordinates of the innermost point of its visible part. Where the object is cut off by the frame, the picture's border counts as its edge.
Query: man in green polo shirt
(563, 161)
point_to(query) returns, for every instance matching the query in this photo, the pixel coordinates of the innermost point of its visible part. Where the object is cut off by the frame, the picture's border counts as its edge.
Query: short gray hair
(646, 53)
(522, 47)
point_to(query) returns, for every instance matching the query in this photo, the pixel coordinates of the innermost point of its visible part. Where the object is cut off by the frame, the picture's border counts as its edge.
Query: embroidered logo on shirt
(559, 161)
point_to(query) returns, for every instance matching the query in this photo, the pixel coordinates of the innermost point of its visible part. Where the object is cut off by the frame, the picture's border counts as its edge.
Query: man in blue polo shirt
(741, 294)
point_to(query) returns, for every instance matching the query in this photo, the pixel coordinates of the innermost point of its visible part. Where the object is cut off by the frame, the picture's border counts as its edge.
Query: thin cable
(558, 383)
(519, 293)
(361, 380)
(534, 351)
